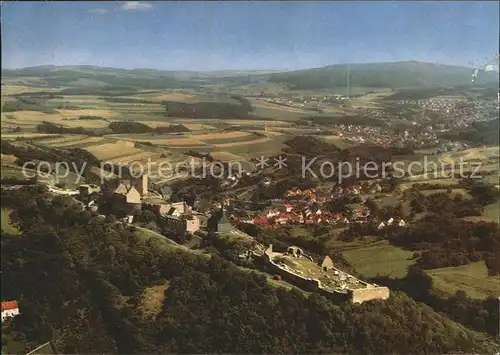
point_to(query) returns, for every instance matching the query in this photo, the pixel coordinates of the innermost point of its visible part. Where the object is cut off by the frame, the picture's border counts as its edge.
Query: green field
(8, 172)
(472, 278)
(379, 258)
(7, 226)
(456, 191)
(492, 212)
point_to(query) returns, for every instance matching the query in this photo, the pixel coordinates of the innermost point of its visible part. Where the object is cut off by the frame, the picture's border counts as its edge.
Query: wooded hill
(83, 280)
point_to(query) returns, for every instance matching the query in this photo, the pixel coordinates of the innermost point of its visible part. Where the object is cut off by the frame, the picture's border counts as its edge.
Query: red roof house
(263, 221)
(9, 309)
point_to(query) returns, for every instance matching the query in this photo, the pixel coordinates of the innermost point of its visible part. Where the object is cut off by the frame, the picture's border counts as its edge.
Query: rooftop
(8, 305)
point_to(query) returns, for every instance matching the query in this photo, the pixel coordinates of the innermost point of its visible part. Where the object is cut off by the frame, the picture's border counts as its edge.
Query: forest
(78, 160)
(441, 237)
(81, 282)
(215, 110)
(49, 127)
(123, 127)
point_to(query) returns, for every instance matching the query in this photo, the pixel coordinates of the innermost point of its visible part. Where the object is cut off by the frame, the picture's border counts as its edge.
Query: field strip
(9, 89)
(267, 133)
(264, 104)
(161, 141)
(226, 156)
(257, 141)
(191, 126)
(248, 138)
(219, 135)
(132, 158)
(79, 141)
(174, 96)
(32, 116)
(258, 122)
(61, 140)
(26, 135)
(186, 142)
(112, 150)
(90, 112)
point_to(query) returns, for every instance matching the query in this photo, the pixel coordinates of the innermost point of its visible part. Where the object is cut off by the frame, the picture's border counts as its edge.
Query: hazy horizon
(243, 36)
(233, 70)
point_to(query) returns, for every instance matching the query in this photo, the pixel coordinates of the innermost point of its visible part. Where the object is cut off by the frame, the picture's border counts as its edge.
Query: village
(131, 197)
(304, 101)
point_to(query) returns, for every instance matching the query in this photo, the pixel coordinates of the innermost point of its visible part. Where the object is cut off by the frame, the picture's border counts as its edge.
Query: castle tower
(224, 225)
(327, 263)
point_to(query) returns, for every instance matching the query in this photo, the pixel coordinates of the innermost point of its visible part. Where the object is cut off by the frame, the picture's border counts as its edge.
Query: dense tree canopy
(81, 280)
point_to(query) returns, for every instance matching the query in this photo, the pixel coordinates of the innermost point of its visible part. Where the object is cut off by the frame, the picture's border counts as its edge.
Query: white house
(390, 221)
(381, 225)
(10, 309)
(272, 213)
(402, 223)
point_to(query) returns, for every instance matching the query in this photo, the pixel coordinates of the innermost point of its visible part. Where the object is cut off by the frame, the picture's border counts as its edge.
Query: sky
(208, 36)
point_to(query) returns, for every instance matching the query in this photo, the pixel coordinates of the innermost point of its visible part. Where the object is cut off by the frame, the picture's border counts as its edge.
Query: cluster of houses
(312, 214)
(392, 222)
(337, 192)
(454, 112)
(356, 189)
(306, 102)
(10, 309)
(356, 134)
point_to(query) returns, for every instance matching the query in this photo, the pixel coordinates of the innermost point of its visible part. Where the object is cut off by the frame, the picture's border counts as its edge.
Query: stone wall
(369, 293)
(306, 284)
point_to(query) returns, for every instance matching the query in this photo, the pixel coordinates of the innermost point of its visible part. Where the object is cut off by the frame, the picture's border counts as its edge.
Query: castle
(298, 268)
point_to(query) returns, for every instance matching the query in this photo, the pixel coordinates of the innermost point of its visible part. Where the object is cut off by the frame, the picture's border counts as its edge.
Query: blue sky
(246, 35)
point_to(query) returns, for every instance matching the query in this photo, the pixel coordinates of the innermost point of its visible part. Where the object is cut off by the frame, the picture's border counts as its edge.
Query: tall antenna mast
(348, 88)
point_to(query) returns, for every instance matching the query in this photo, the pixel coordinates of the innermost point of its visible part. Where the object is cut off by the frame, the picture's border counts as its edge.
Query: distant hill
(384, 75)
(83, 78)
(106, 78)
(377, 75)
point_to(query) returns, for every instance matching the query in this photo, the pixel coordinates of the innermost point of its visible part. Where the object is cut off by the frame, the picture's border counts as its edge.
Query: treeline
(123, 127)
(126, 100)
(440, 238)
(212, 110)
(91, 118)
(445, 242)
(83, 280)
(478, 132)
(310, 145)
(26, 104)
(16, 181)
(357, 120)
(49, 127)
(78, 160)
(481, 315)
(244, 102)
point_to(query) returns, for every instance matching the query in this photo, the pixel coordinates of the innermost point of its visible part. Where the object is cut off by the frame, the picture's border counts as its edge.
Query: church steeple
(224, 225)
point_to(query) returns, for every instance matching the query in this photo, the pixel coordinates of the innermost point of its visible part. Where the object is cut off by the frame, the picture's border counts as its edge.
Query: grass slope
(379, 258)
(7, 226)
(472, 278)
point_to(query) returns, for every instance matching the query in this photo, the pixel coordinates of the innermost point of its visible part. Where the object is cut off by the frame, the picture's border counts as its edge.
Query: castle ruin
(298, 268)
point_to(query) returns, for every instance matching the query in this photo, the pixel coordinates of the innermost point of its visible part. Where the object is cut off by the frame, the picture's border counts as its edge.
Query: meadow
(378, 258)
(7, 226)
(472, 278)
